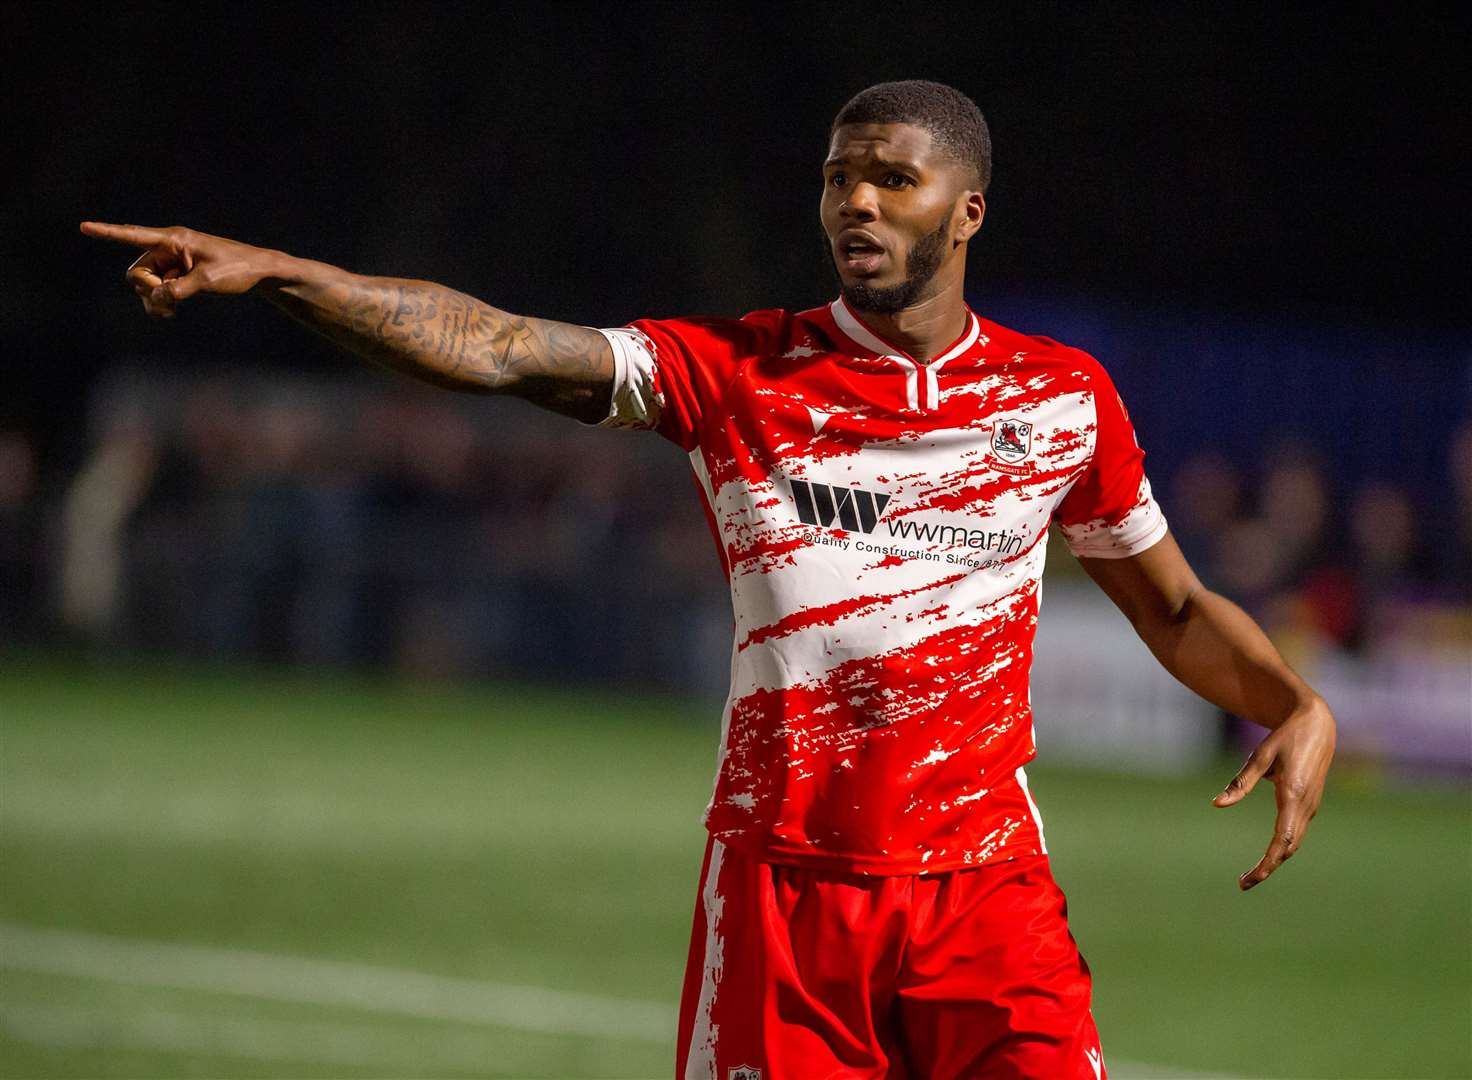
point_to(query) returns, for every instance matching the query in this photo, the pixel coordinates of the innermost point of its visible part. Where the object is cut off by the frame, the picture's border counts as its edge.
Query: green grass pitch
(548, 839)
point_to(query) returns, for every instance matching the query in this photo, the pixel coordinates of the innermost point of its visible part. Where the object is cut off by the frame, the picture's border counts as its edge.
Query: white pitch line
(322, 982)
(235, 1037)
(331, 982)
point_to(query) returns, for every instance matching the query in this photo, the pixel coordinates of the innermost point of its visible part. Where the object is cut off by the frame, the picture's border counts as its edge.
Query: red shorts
(798, 974)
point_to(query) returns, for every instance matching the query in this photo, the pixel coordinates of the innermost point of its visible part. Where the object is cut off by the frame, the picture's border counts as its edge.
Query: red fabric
(1110, 488)
(808, 975)
(879, 706)
(698, 358)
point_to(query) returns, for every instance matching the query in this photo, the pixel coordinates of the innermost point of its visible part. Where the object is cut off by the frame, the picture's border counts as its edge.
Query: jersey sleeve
(670, 375)
(1110, 513)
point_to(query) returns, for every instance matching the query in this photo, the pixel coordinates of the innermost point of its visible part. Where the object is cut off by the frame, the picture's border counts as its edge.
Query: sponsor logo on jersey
(1003, 540)
(1012, 439)
(857, 510)
(853, 509)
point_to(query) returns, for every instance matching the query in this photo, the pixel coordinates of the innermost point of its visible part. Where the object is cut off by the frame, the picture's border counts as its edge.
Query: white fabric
(1142, 528)
(1037, 817)
(635, 402)
(701, 1064)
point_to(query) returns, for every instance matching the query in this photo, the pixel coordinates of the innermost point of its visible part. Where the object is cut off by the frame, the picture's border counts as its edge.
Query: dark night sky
(601, 163)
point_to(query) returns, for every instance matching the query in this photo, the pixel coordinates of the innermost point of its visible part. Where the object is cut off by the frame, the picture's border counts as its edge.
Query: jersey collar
(853, 328)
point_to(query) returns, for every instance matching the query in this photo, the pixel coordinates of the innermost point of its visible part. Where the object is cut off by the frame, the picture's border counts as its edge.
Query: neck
(927, 327)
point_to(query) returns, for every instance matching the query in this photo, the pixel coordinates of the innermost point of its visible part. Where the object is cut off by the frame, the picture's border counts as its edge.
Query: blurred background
(349, 727)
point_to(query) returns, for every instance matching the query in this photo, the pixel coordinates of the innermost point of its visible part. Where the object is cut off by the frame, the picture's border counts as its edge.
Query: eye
(897, 180)
(838, 179)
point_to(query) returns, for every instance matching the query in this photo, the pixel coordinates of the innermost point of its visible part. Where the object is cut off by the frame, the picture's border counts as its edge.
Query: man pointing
(880, 474)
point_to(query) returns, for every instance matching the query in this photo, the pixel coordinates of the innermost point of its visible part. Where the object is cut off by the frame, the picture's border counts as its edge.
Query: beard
(921, 265)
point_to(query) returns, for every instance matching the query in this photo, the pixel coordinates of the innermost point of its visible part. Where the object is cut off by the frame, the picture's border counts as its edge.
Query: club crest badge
(744, 1072)
(1012, 439)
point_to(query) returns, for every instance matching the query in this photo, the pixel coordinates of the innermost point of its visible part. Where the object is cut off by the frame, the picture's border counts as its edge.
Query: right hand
(178, 263)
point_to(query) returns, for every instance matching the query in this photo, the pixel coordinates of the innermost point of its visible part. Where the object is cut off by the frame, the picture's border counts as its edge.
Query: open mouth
(859, 254)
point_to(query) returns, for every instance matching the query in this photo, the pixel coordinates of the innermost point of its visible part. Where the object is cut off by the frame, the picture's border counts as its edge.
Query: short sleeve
(671, 374)
(1110, 513)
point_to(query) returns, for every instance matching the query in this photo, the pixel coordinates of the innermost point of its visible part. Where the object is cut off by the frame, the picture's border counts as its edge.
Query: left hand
(1294, 758)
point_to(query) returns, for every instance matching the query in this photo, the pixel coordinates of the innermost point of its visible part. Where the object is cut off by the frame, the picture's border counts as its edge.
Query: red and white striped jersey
(883, 523)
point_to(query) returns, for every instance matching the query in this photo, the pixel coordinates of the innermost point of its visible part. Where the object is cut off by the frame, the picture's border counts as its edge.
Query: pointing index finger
(137, 235)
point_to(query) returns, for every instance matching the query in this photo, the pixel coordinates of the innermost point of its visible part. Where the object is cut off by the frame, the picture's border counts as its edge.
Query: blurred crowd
(375, 523)
(1358, 564)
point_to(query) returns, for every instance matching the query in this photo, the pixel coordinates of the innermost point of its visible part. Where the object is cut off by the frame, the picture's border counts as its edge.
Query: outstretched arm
(1216, 649)
(429, 331)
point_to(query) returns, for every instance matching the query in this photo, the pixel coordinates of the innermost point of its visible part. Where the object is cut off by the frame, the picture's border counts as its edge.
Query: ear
(971, 207)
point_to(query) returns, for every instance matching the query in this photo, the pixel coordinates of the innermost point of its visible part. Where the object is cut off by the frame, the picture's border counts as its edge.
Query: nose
(861, 204)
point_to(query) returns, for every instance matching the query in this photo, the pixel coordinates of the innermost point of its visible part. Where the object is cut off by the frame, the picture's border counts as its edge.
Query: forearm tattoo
(455, 340)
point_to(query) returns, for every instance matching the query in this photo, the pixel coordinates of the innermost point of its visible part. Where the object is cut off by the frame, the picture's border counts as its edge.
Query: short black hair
(952, 118)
